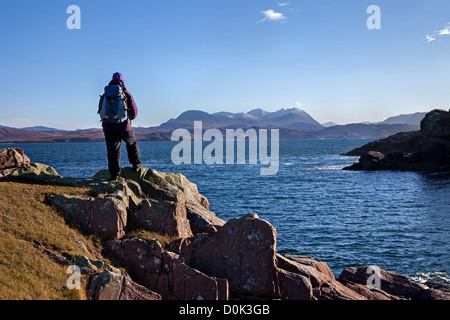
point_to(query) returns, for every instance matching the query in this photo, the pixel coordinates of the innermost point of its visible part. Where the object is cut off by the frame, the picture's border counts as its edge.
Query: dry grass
(149, 235)
(28, 275)
(27, 221)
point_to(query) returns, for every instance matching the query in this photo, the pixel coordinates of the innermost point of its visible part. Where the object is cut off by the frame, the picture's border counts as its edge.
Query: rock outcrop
(11, 159)
(394, 284)
(165, 203)
(324, 286)
(14, 163)
(210, 259)
(106, 217)
(112, 286)
(165, 272)
(243, 251)
(424, 150)
(435, 291)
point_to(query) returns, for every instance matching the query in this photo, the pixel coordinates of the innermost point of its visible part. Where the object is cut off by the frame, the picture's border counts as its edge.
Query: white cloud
(445, 31)
(436, 34)
(299, 104)
(430, 38)
(270, 15)
(283, 4)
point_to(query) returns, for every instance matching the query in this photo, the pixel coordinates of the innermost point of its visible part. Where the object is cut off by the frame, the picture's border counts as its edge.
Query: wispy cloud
(430, 38)
(271, 15)
(437, 34)
(445, 31)
(286, 4)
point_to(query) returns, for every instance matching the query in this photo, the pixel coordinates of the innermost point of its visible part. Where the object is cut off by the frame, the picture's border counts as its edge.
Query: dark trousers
(113, 146)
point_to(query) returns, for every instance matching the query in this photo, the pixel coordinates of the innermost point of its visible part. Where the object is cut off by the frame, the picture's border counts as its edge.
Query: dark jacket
(132, 111)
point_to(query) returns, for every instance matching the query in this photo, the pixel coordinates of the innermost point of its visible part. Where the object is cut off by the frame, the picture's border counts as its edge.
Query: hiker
(117, 108)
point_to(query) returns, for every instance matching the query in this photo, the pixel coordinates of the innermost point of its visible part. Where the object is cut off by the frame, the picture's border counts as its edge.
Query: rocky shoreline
(425, 150)
(208, 258)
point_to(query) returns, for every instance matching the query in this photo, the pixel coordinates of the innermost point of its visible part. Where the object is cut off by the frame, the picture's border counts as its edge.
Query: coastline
(318, 217)
(293, 277)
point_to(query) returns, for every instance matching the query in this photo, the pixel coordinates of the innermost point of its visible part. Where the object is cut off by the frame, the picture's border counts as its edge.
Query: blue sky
(223, 55)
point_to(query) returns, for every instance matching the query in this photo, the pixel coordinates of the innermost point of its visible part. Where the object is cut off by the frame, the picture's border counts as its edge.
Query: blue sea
(398, 221)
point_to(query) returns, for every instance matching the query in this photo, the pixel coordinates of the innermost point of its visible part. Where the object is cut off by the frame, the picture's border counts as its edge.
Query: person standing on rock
(116, 109)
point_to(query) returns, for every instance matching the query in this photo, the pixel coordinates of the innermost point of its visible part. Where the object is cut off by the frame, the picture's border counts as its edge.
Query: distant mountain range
(42, 129)
(294, 118)
(411, 119)
(293, 123)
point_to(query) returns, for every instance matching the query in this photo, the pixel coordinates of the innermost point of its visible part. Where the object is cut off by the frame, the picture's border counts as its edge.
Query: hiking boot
(137, 167)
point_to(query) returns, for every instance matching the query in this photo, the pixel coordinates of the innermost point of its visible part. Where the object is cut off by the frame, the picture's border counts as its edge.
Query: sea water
(398, 221)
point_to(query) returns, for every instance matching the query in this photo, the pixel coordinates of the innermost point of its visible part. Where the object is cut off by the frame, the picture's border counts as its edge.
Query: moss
(36, 170)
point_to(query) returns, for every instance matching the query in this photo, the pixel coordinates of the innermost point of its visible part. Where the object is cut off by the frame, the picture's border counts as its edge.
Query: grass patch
(25, 215)
(26, 274)
(140, 233)
(26, 221)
